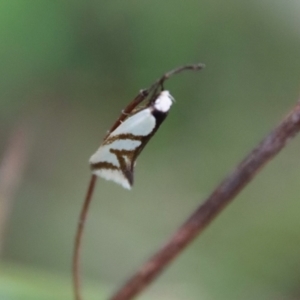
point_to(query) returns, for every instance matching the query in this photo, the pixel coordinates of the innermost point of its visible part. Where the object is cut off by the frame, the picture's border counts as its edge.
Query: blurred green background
(67, 68)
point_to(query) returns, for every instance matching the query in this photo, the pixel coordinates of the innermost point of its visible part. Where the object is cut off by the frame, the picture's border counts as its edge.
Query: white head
(164, 101)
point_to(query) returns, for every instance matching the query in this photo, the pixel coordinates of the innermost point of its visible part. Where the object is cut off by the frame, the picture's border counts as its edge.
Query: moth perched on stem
(116, 157)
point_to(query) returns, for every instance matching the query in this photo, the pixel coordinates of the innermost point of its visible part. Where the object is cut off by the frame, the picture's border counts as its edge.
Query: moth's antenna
(159, 83)
(143, 94)
(193, 67)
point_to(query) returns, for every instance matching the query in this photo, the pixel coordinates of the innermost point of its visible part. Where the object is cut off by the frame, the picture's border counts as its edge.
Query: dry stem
(212, 206)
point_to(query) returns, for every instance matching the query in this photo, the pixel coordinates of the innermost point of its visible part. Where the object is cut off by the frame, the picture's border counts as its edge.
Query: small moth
(116, 158)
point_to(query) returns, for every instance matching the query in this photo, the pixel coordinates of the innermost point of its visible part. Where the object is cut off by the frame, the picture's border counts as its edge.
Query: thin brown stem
(213, 205)
(143, 94)
(78, 238)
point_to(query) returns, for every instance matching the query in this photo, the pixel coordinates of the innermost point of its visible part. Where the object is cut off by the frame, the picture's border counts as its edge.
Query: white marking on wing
(103, 154)
(114, 175)
(141, 123)
(124, 144)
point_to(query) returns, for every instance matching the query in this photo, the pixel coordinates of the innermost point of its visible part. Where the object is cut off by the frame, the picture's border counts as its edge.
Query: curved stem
(212, 206)
(143, 94)
(78, 238)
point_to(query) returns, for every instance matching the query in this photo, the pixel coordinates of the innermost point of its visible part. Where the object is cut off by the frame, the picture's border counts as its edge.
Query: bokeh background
(67, 68)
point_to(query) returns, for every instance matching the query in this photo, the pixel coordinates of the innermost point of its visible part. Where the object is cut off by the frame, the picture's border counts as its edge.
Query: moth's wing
(140, 124)
(115, 159)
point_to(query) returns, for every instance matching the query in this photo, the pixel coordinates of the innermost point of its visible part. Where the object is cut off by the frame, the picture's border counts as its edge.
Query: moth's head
(164, 101)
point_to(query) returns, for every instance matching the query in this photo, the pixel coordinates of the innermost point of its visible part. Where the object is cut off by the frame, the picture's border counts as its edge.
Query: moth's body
(116, 157)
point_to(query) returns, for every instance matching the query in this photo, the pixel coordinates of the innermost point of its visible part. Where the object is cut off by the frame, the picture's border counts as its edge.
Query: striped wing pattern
(115, 159)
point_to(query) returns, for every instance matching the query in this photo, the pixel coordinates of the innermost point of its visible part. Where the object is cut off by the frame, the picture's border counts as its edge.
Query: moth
(116, 158)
